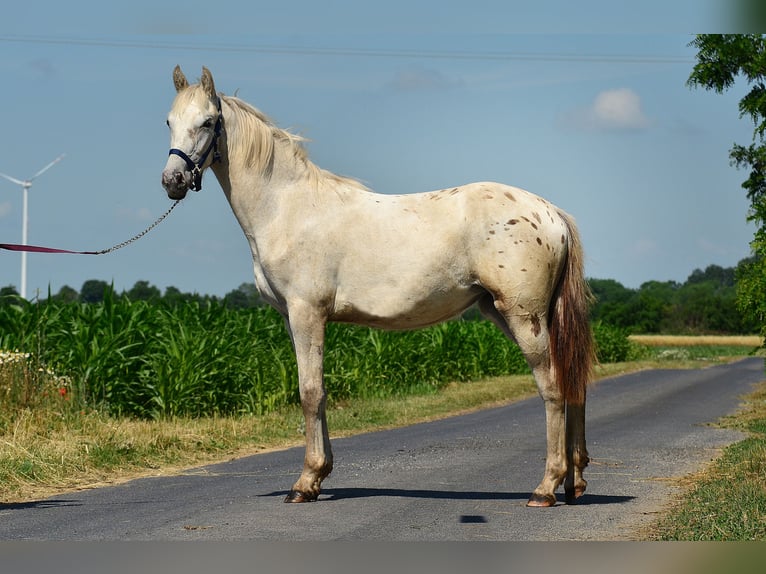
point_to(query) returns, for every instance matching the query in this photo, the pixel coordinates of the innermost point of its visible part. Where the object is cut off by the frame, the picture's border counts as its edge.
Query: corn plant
(154, 359)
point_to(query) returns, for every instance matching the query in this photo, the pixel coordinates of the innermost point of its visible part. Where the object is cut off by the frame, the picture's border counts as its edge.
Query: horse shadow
(334, 494)
(39, 504)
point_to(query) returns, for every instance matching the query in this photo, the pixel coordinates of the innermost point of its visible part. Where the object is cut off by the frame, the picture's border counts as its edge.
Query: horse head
(195, 121)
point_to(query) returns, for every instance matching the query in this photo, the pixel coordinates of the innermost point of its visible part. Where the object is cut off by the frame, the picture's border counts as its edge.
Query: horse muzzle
(176, 183)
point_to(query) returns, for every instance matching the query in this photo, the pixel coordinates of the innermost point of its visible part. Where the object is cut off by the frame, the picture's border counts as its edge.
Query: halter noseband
(196, 168)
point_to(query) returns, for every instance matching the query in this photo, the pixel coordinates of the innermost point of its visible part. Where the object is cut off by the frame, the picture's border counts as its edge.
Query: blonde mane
(254, 138)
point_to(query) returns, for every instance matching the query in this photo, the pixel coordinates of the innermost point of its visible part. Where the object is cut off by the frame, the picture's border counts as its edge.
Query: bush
(612, 344)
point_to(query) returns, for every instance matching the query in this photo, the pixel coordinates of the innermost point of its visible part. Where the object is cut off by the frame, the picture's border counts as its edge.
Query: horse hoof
(571, 495)
(298, 496)
(541, 500)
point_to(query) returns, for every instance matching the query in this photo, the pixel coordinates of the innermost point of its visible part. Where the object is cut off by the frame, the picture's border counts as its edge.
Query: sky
(584, 104)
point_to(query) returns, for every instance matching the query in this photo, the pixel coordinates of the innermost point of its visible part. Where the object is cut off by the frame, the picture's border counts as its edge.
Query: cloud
(612, 110)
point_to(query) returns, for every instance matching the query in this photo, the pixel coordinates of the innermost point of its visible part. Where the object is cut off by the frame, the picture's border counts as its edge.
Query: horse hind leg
(577, 454)
(530, 332)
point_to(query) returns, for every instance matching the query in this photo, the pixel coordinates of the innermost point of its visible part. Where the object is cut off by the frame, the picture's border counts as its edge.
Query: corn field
(154, 360)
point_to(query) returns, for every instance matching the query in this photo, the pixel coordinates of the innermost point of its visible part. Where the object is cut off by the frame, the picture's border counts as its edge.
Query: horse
(326, 248)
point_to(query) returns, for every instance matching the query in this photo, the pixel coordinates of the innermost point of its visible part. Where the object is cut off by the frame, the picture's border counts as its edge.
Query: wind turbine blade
(13, 179)
(47, 167)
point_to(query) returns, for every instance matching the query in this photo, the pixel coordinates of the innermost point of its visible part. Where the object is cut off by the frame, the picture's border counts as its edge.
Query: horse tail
(572, 345)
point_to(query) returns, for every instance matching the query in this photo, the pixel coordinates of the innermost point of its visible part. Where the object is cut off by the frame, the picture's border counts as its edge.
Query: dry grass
(45, 451)
(41, 456)
(698, 340)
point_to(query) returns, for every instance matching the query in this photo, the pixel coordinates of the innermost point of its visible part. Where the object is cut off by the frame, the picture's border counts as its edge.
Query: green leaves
(152, 360)
(612, 344)
(721, 60)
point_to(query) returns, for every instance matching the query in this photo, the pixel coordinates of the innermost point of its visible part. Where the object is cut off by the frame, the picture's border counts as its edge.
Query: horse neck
(262, 191)
(255, 197)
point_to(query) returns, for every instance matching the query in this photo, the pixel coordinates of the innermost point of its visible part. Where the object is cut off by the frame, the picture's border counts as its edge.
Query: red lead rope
(38, 249)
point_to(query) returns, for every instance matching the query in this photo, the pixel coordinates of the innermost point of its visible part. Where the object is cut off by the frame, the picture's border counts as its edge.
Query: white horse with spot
(325, 248)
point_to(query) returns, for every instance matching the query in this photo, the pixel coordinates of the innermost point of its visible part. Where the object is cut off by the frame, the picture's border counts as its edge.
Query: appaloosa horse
(325, 248)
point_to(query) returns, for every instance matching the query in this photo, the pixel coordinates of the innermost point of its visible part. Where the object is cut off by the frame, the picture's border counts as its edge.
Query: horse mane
(255, 140)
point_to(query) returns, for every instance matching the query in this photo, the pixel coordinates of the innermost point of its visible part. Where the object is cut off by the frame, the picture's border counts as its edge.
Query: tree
(9, 290)
(67, 294)
(615, 305)
(93, 291)
(722, 59)
(243, 297)
(721, 277)
(8, 295)
(143, 291)
(656, 300)
(173, 296)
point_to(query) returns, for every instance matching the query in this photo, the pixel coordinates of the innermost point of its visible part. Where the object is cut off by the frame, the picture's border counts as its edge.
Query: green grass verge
(727, 501)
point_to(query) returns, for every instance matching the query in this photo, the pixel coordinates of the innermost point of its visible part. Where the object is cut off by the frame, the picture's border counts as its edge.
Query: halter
(196, 168)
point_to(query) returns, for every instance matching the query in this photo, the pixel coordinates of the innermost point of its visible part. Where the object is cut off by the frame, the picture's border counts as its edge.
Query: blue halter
(196, 168)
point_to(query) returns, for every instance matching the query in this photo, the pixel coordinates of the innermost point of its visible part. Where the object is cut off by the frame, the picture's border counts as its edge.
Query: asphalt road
(463, 478)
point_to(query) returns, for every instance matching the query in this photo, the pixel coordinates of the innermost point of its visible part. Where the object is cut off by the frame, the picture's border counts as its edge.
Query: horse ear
(179, 80)
(207, 82)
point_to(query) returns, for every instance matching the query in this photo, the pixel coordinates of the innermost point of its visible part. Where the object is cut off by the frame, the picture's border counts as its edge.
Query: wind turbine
(25, 185)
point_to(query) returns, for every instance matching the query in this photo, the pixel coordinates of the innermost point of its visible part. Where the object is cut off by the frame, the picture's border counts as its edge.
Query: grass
(50, 450)
(50, 443)
(727, 501)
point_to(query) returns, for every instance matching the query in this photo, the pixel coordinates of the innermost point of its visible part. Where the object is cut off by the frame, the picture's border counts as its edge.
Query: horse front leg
(307, 329)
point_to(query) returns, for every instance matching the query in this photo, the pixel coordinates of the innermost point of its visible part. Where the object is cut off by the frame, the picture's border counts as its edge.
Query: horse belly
(393, 307)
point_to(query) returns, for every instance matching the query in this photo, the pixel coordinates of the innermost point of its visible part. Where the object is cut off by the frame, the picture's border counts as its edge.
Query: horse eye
(208, 123)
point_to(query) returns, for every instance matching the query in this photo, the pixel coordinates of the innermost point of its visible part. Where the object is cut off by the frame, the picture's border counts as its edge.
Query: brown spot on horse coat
(539, 241)
(536, 329)
(532, 223)
(512, 221)
(509, 195)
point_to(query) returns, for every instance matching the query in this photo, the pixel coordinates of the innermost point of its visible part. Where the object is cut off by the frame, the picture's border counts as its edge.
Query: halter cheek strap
(196, 168)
